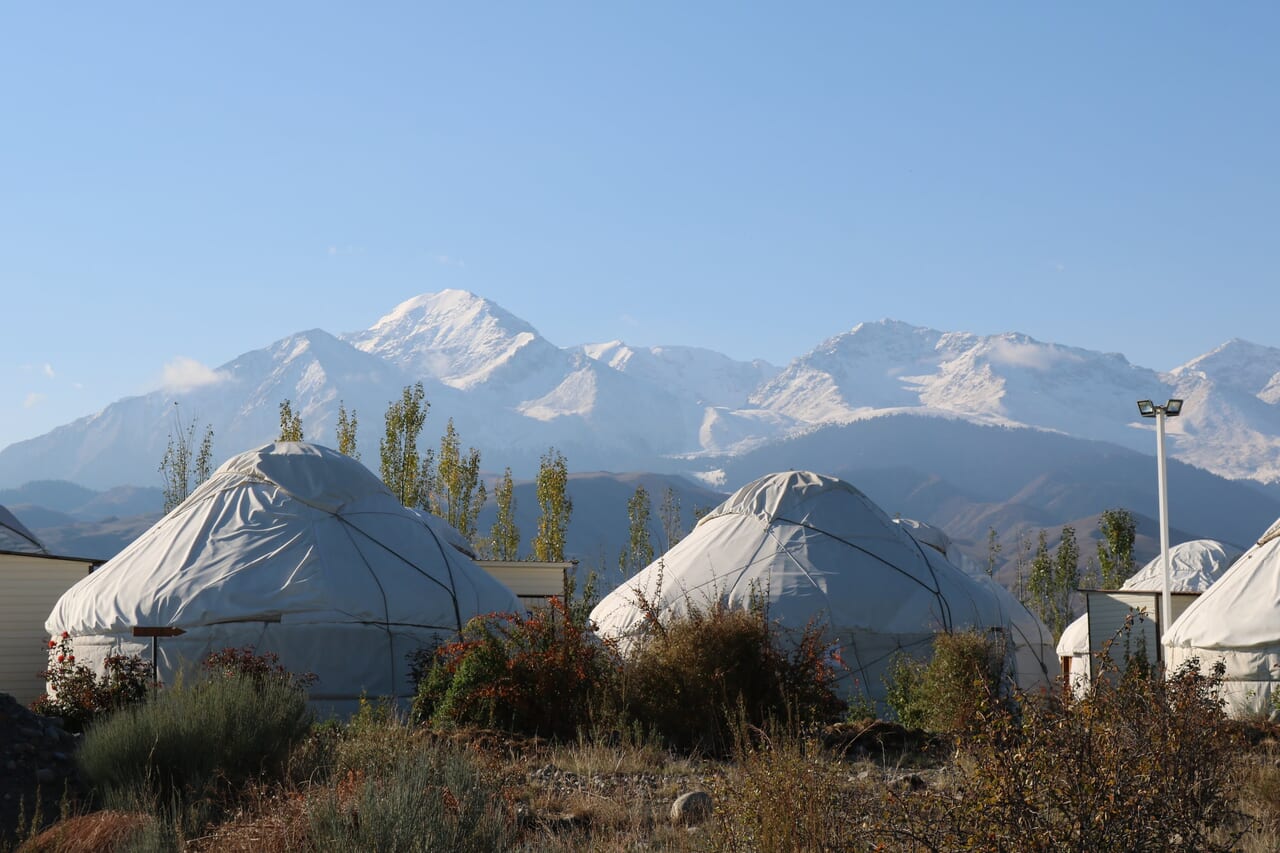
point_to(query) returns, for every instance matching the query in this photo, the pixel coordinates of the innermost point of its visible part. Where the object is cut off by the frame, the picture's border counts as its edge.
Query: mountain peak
(1238, 363)
(454, 336)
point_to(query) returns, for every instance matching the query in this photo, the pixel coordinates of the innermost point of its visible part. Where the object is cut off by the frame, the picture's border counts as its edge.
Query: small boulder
(691, 809)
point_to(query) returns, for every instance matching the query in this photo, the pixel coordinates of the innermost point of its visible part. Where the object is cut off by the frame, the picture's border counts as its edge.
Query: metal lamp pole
(1150, 410)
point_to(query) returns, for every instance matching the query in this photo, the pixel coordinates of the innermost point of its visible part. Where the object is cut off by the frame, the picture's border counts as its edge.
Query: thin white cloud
(44, 369)
(336, 250)
(33, 399)
(1029, 355)
(449, 261)
(184, 374)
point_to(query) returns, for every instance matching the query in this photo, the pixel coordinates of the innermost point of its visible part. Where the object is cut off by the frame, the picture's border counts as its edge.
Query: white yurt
(1193, 567)
(294, 549)
(1236, 621)
(815, 548)
(1035, 661)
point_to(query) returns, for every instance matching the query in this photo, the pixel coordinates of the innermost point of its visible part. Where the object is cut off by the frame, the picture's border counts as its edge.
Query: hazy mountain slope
(97, 540)
(76, 502)
(53, 494)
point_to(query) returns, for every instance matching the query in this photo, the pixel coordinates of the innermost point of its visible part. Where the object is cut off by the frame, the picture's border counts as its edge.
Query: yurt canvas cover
(1193, 567)
(1235, 621)
(815, 548)
(294, 549)
(1035, 662)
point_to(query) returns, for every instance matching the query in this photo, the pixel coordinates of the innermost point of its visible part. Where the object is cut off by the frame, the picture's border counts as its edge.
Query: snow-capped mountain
(513, 394)
(465, 342)
(524, 392)
(701, 375)
(1232, 411)
(1003, 380)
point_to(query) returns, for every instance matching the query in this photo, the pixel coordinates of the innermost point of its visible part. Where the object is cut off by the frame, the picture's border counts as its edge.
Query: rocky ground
(37, 767)
(575, 796)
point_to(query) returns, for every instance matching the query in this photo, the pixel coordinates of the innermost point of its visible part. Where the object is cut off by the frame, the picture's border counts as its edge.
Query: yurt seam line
(943, 604)
(872, 554)
(386, 609)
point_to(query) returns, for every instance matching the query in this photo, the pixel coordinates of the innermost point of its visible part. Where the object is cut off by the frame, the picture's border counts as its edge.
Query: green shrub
(373, 740)
(691, 675)
(433, 798)
(79, 695)
(963, 678)
(536, 674)
(203, 741)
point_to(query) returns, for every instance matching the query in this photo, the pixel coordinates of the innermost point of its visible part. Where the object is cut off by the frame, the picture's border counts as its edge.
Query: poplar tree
(402, 469)
(456, 492)
(639, 550)
(1054, 580)
(184, 466)
(290, 423)
(669, 516)
(993, 551)
(1115, 548)
(555, 505)
(505, 535)
(347, 432)
(1040, 578)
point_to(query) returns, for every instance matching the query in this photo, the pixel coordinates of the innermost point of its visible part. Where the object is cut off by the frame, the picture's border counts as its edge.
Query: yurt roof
(291, 531)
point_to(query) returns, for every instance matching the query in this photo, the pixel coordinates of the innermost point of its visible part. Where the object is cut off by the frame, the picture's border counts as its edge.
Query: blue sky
(182, 182)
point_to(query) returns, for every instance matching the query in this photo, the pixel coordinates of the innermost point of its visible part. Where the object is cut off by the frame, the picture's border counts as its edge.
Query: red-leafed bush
(536, 674)
(79, 695)
(259, 668)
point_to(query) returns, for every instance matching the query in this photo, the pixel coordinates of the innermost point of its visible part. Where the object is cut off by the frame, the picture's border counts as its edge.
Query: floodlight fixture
(1148, 409)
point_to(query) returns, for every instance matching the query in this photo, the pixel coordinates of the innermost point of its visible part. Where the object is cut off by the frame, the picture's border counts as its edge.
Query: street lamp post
(1171, 409)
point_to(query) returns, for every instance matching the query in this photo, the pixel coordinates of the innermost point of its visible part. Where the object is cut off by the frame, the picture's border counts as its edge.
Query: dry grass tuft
(99, 832)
